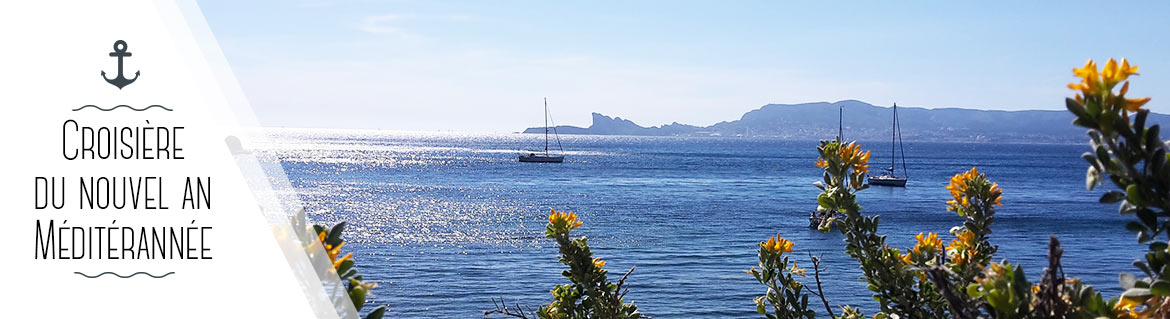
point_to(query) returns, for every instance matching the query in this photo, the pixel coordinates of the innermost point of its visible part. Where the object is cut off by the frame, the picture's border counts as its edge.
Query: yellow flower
(1114, 73)
(563, 220)
(969, 188)
(1126, 69)
(862, 163)
(964, 240)
(798, 271)
(1094, 83)
(996, 193)
(337, 263)
(333, 251)
(1089, 71)
(906, 259)
(1133, 105)
(1127, 308)
(1109, 73)
(928, 243)
(858, 159)
(598, 263)
(368, 287)
(1089, 78)
(777, 245)
(850, 155)
(844, 151)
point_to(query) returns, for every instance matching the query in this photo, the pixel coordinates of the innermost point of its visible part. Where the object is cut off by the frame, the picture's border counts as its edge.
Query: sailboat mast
(902, 148)
(893, 138)
(840, 121)
(546, 126)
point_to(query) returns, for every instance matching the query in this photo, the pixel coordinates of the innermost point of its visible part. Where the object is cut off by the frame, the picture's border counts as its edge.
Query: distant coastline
(864, 121)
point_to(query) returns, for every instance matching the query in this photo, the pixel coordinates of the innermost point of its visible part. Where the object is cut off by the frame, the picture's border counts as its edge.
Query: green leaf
(334, 237)
(1139, 121)
(1148, 218)
(825, 201)
(345, 266)
(358, 296)
(1144, 268)
(973, 291)
(1134, 194)
(1160, 288)
(1138, 294)
(1152, 137)
(377, 313)
(1092, 107)
(1112, 197)
(1089, 157)
(1075, 107)
(1158, 246)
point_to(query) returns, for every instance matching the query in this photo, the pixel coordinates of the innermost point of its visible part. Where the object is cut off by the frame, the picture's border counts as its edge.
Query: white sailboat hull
(886, 180)
(540, 158)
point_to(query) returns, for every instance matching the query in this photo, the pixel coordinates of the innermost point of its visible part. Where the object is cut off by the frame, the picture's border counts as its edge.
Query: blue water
(447, 221)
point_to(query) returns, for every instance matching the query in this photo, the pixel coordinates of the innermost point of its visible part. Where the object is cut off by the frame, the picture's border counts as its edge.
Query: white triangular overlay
(52, 56)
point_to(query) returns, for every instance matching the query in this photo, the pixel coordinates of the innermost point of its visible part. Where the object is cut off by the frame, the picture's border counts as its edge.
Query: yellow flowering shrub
(330, 237)
(590, 293)
(1134, 158)
(785, 297)
(358, 289)
(897, 286)
(930, 280)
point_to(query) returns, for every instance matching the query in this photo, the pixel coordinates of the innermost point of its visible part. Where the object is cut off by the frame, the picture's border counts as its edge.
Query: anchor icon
(120, 52)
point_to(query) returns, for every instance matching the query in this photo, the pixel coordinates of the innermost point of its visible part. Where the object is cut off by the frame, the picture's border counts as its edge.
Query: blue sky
(484, 66)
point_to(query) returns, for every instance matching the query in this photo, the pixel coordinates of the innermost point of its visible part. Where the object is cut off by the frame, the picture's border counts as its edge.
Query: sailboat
(546, 157)
(889, 178)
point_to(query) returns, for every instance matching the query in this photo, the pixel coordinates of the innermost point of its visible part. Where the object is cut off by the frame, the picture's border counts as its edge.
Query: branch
(817, 275)
(1052, 285)
(940, 276)
(623, 282)
(503, 309)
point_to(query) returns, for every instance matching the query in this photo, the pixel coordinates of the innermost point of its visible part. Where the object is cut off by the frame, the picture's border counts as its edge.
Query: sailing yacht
(889, 178)
(546, 157)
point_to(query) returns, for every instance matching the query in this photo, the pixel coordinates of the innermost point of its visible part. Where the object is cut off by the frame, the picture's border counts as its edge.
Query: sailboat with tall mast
(889, 178)
(546, 157)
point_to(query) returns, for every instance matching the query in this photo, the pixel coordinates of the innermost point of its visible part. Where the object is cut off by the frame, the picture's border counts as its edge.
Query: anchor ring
(122, 44)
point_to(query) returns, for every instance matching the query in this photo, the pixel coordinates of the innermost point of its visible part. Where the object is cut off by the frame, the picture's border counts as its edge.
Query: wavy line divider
(121, 276)
(121, 106)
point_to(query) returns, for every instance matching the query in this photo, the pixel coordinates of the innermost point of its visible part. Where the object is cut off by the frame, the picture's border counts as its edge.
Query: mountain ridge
(864, 121)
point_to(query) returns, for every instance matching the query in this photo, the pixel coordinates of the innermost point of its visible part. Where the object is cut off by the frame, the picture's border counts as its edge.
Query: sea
(448, 222)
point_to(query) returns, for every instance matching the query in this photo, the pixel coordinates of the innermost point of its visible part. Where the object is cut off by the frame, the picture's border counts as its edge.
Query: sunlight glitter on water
(428, 210)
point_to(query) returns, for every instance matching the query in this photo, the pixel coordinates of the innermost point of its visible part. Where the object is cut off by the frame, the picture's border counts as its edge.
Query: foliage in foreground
(343, 266)
(960, 279)
(589, 294)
